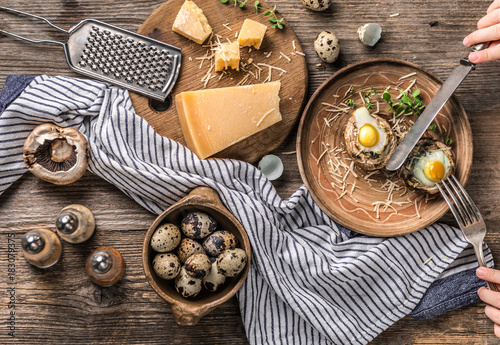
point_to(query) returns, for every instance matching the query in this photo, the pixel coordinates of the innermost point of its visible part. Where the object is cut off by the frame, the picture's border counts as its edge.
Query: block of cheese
(214, 119)
(192, 23)
(227, 55)
(251, 33)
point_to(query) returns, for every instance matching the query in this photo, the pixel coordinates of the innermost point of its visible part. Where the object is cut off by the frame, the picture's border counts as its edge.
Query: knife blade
(425, 119)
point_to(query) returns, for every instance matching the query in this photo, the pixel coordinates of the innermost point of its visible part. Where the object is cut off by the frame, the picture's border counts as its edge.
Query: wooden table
(60, 305)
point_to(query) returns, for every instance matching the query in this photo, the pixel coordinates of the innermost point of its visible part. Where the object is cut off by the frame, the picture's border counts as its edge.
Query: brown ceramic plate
(319, 143)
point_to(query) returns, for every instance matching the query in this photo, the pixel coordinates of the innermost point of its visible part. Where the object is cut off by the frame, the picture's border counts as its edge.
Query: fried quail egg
(429, 162)
(369, 139)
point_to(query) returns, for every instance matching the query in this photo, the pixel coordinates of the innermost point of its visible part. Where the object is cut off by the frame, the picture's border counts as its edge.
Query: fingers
(497, 330)
(493, 6)
(490, 19)
(490, 297)
(490, 54)
(489, 34)
(488, 274)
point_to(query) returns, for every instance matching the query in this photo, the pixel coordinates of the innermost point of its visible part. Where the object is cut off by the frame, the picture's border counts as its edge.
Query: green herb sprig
(273, 18)
(407, 104)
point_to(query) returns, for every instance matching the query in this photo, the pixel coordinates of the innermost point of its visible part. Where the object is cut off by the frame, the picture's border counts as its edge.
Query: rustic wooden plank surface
(60, 305)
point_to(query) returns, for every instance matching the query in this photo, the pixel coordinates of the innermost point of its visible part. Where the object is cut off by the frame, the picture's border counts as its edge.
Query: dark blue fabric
(449, 293)
(14, 85)
(443, 295)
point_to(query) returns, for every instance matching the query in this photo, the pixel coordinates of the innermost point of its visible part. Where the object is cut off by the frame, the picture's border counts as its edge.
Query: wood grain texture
(60, 305)
(221, 17)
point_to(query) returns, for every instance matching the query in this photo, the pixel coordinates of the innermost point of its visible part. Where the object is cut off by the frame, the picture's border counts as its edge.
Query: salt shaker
(41, 248)
(105, 266)
(75, 223)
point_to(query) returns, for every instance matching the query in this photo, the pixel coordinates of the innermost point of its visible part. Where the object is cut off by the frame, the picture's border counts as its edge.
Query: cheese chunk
(215, 119)
(227, 55)
(251, 33)
(192, 23)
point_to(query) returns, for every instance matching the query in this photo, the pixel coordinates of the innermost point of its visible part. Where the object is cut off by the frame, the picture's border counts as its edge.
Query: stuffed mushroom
(429, 162)
(369, 139)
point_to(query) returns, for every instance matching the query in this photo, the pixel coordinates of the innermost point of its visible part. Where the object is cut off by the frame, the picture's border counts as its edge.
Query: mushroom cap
(57, 155)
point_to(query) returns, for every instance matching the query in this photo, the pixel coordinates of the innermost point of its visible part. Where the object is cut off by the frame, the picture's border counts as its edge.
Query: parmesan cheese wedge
(251, 34)
(192, 23)
(227, 55)
(214, 119)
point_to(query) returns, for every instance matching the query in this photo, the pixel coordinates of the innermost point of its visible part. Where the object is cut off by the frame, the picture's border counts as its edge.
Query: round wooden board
(293, 82)
(356, 211)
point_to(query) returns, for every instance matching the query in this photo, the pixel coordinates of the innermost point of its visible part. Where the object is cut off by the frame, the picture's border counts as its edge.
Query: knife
(425, 119)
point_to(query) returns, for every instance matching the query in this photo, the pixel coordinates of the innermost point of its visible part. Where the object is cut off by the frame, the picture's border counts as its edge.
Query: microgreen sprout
(277, 23)
(350, 102)
(407, 104)
(433, 127)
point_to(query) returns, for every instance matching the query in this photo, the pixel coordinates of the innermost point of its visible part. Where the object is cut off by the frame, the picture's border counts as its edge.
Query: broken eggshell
(327, 46)
(271, 166)
(369, 34)
(57, 155)
(316, 5)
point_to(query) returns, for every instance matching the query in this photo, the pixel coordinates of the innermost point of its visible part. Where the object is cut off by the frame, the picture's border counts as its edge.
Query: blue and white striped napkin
(311, 281)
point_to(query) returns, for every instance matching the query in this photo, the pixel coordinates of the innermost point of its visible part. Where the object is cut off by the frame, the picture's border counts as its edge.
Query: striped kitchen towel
(311, 281)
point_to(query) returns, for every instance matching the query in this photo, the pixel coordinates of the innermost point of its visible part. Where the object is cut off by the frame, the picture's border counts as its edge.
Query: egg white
(435, 155)
(361, 117)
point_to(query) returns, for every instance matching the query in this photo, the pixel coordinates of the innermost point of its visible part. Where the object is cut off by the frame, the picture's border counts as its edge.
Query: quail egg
(327, 46)
(231, 262)
(198, 225)
(429, 162)
(369, 139)
(166, 265)
(198, 265)
(188, 247)
(316, 5)
(166, 238)
(214, 280)
(219, 241)
(187, 285)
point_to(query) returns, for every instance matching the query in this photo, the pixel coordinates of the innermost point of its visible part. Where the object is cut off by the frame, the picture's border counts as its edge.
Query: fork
(468, 217)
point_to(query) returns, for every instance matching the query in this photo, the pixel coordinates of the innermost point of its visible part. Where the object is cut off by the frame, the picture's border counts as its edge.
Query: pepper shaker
(105, 266)
(41, 248)
(75, 223)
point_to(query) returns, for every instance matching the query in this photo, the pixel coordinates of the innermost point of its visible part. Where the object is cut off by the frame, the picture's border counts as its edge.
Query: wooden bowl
(314, 136)
(189, 311)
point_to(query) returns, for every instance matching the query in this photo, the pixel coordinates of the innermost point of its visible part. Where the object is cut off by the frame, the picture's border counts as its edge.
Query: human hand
(488, 31)
(490, 297)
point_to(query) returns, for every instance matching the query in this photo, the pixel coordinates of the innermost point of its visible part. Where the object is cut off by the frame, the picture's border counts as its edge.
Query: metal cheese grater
(117, 56)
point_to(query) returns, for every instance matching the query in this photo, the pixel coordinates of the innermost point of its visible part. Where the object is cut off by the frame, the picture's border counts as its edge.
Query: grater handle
(6, 9)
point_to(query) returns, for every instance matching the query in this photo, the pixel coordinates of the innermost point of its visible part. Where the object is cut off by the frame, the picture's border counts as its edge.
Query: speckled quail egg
(214, 280)
(187, 285)
(429, 162)
(166, 265)
(198, 265)
(219, 241)
(166, 238)
(231, 262)
(188, 247)
(369, 139)
(197, 225)
(327, 46)
(316, 5)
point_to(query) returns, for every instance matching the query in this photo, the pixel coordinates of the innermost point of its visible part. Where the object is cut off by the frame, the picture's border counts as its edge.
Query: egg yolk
(368, 135)
(434, 171)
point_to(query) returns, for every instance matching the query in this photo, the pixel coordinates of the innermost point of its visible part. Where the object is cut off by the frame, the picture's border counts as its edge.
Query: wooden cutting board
(276, 50)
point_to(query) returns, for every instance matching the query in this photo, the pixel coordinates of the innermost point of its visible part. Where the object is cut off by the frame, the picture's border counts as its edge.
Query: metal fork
(468, 217)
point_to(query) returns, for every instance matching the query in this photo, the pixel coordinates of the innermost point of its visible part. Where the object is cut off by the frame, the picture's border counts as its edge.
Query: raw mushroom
(316, 5)
(369, 34)
(57, 155)
(327, 46)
